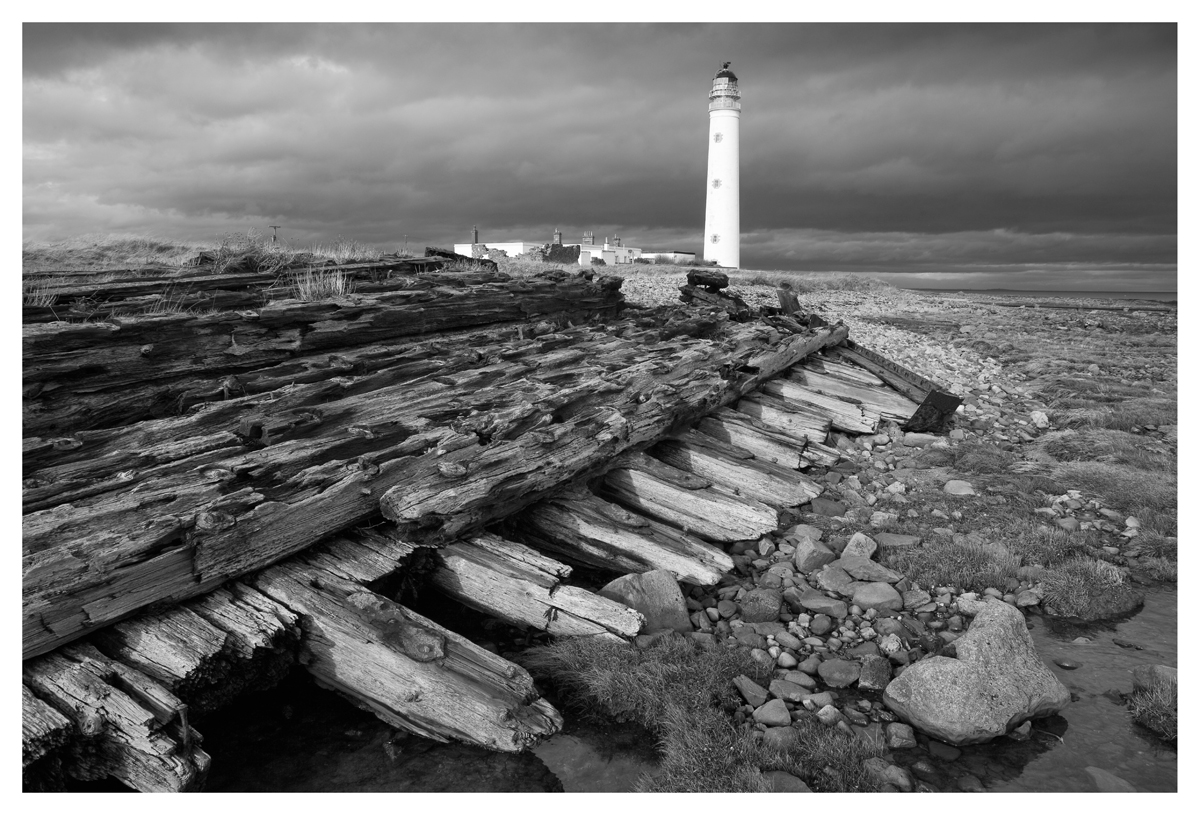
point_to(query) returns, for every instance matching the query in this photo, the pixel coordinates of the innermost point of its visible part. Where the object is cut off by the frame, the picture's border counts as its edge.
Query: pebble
(900, 736)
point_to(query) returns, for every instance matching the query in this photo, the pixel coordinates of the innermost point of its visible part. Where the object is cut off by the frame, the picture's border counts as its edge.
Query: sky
(957, 156)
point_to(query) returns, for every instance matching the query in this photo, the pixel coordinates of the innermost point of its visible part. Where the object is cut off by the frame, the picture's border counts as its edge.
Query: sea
(1161, 296)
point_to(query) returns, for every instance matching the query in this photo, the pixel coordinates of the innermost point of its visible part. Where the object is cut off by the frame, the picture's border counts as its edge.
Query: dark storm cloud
(984, 145)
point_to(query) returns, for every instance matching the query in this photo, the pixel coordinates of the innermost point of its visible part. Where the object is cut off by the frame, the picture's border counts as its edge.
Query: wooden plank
(43, 728)
(713, 512)
(405, 668)
(514, 583)
(747, 433)
(845, 416)
(132, 729)
(881, 400)
(704, 456)
(791, 420)
(579, 526)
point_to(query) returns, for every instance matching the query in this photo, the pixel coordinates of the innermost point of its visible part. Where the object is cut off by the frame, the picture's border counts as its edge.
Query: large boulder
(656, 595)
(997, 682)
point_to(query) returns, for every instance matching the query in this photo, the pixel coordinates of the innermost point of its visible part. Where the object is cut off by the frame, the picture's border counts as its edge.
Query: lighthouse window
(716, 183)
(715, 238)
(717, 137)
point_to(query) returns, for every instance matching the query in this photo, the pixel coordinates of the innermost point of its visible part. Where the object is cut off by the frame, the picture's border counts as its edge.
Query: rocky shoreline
(858, 645)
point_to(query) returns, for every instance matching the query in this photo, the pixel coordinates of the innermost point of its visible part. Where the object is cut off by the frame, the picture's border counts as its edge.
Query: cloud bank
(988, 153)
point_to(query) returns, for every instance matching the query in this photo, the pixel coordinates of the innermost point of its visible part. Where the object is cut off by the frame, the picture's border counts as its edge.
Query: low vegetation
(312, 285)
(1157, 708)
(683, 694)
(1087, 589)
(112, 251)
(251, 250)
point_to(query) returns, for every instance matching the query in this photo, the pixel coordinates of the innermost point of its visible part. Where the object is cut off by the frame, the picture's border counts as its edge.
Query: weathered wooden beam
(514, 583)
(736, 470)
(514, 474)
(44, 731)
(790, 419)
(129, 727)
(751, 435)
(846, 416)
(211, 649)
(143, 358)
(407, 669)
(87, 566)
(579, 526)
(877, 399)
(693, 504)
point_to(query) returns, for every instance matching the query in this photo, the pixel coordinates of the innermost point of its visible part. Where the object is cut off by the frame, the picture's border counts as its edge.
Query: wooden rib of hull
(845, 416)
(514, 583)
(407, 669)
(694, 505)
(130, 727)
(582, 527)
(723, 464)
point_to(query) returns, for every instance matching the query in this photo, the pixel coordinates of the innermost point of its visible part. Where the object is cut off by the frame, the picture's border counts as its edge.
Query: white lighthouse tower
(722, 215)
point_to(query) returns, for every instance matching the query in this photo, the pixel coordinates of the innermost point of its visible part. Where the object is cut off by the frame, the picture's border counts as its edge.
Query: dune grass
(119, 252)
(681, 693)
(313, 285)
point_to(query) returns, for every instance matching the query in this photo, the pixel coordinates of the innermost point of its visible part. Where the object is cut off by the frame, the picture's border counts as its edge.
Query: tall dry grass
(120, 252)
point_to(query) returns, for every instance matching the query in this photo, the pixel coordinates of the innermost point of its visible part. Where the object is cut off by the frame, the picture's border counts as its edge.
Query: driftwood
(130, 727)
(789, 304)
(874, 400)
(736, 469)
(512, 582)
(579, 526)
(407, 669)
(935, 405)
(846, 416)
(708, 278)
(79, 376)
(693, 504)
(790, 419)
(751, 435)
(736, 307)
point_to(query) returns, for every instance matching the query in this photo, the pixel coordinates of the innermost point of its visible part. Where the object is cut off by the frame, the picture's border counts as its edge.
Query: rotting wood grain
(89, 566)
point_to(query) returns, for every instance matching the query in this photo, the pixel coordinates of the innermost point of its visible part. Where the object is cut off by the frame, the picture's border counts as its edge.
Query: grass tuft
(313, 285)
(1087, 589)
(1157, 708)
(966, 563)
(35, 292)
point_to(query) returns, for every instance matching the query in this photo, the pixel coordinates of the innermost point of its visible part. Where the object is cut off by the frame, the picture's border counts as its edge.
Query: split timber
(465, 431)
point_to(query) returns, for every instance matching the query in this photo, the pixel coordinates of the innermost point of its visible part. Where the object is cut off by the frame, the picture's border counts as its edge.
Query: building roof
(725, 73)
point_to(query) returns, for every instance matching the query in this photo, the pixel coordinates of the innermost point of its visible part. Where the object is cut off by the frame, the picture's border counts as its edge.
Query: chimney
(474, 235)
(557, 238)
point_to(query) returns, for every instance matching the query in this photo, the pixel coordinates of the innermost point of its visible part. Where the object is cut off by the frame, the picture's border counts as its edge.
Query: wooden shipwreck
(213, 495)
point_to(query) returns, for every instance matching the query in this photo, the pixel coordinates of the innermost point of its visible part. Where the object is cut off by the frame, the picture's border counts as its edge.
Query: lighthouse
(722, 214)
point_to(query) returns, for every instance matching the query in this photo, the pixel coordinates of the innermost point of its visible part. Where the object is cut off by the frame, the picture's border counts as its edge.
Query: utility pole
(274, 233)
